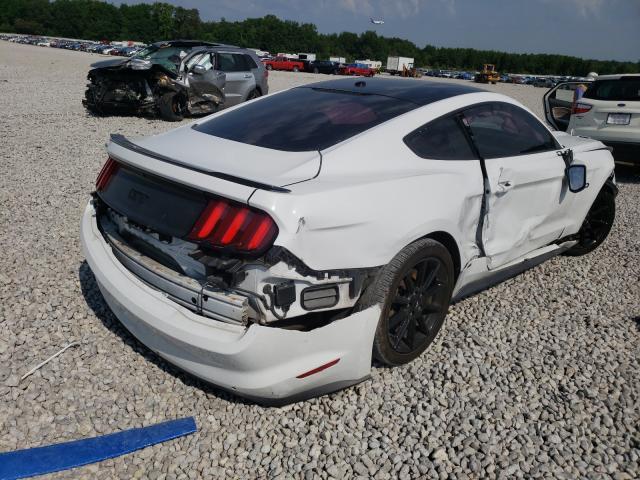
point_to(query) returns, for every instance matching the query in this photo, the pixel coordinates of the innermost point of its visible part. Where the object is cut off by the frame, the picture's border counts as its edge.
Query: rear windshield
(622, 89)
(304, 119)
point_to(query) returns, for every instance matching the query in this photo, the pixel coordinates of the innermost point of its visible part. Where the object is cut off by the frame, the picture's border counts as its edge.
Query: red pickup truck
(284, 63)
(357, 70)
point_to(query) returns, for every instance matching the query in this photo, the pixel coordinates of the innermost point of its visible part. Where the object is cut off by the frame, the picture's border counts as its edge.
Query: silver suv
(176, 78)
(609, 111)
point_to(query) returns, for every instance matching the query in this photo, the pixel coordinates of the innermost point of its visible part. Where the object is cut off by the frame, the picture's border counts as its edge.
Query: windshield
(167, 56)
(304, 119)
(623, 89)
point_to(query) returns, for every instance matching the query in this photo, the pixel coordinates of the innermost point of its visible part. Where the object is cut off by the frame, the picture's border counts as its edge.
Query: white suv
(608, 111)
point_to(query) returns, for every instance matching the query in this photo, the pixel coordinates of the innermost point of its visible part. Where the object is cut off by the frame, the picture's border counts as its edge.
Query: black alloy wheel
(414, 291)
(416, 311)
(596, 225)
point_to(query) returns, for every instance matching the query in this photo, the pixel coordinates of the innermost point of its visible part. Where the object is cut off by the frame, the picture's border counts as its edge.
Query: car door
(526, 199)
(206, 84)
(239, 77)
(558, 104)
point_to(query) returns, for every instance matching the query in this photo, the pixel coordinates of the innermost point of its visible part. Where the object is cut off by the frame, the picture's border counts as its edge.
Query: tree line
(98, 20)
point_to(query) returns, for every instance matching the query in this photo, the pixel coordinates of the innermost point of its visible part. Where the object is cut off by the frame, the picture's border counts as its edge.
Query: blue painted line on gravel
(62, 456)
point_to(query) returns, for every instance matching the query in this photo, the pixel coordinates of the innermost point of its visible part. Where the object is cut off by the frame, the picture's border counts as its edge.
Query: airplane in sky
(377, 22)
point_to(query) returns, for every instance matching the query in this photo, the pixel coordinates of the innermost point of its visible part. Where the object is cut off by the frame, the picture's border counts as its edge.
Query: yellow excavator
(412, 72)
(488, 74)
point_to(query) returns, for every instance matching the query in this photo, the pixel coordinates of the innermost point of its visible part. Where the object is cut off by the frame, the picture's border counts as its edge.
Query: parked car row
(103, 48)
(317, 66)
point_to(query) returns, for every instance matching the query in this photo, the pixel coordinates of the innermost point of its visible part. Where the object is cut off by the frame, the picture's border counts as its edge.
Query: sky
(595, 29)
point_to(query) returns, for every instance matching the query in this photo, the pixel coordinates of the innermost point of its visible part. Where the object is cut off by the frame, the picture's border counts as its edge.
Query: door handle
(248, 75)
(505, 186)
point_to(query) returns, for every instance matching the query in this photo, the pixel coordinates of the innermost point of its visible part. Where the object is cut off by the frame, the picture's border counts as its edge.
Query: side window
(232, 62)
(441, 139)
(251, 64)
(206, 61)
(504, 130)
(189, 64)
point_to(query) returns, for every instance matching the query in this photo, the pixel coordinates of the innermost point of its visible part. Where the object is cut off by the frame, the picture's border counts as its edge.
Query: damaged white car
(272, 248)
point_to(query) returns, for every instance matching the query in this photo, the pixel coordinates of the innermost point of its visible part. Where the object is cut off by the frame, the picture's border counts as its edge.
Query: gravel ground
(537, 377)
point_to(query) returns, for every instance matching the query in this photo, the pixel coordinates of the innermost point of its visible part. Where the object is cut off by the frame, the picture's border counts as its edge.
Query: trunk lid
(164, 182)
(214, 154)
(215, 165)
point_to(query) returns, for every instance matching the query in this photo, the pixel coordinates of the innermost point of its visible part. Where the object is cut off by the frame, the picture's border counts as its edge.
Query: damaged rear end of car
(270, 324)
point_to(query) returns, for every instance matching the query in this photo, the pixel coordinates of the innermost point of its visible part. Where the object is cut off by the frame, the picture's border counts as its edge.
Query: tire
(269, 67)
(170, 107)
(597, 224)
(315, 70)
(296, 69)
(89, 103)
(255, 93)
(414, 291)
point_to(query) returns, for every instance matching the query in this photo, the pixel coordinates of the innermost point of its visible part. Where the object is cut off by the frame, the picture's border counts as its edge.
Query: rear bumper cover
(260, 363)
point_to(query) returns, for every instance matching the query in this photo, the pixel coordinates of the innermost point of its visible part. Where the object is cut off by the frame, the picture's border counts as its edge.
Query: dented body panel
(192, 82)
(341, 214)
(258, 362)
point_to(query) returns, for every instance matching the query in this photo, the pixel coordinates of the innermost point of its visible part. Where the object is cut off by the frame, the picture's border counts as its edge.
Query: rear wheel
(596, 225)
(269, 67)
(315, 70)
(414, 290)
(255, 93)
(171, 108)
(296, 69)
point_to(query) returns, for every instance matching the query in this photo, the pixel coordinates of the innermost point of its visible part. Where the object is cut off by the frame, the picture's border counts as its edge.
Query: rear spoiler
(124, 142)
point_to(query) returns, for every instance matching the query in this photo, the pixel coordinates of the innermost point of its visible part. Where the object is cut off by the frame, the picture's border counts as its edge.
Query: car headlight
(138, 64)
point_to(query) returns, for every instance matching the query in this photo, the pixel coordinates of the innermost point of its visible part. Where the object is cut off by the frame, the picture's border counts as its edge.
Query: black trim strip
(122, 141)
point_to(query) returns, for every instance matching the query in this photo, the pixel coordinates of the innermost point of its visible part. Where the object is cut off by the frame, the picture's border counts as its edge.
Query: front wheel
(171, 108)
(296, 69)
(315, 70)
(414, 290)
(597, 224)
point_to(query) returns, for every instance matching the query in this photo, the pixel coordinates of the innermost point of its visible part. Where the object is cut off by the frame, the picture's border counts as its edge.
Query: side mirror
(198, 70)
(577, 177)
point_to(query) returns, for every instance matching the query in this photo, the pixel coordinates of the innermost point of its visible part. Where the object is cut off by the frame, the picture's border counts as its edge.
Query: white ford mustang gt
(272, 248)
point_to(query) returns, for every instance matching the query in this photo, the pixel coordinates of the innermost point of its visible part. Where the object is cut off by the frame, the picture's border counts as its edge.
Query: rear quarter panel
(374, 196)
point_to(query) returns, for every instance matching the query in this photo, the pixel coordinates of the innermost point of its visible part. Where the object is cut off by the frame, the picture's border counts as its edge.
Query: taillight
(227, 224)
(581, 108)
(106, 174)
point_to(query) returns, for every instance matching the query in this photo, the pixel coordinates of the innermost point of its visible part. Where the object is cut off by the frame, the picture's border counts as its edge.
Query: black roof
(191, 43)
(420, 92)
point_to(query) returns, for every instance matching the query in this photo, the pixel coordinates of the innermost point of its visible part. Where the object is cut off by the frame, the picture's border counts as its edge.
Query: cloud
(585, 8)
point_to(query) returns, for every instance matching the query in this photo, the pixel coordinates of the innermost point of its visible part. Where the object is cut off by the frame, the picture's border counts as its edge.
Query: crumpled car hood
(111, 62)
